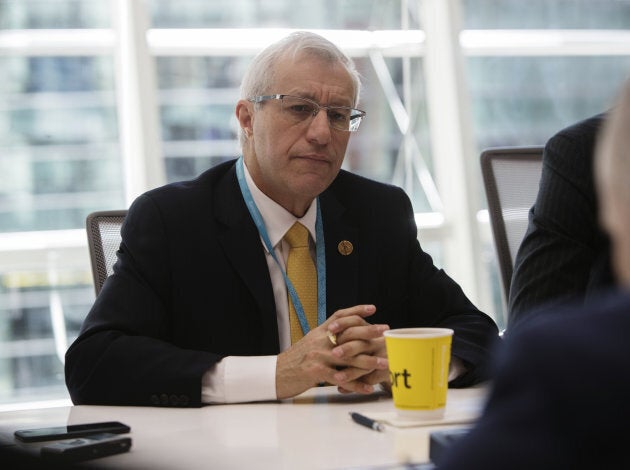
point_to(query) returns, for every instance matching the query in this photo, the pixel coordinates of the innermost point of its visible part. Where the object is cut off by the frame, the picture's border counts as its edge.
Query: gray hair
(260, 76)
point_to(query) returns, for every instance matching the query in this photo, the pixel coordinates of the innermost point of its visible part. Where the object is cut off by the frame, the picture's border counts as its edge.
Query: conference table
(311, 431)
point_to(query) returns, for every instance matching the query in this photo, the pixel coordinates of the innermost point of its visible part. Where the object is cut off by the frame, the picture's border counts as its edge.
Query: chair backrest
(511, 177)
(103, 233)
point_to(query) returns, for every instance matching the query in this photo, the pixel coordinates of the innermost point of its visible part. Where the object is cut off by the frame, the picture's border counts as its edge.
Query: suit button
(183, 400)
(164, 399)
(154, 400)
(173, 400)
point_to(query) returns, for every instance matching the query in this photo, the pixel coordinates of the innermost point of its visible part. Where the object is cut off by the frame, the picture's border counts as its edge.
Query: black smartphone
(84, 448)
(72, 430)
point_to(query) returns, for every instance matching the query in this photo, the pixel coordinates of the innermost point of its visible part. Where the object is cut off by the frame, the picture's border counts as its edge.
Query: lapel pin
(345, 247)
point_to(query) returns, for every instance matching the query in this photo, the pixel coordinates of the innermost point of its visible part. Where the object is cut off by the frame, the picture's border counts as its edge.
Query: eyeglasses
(300, 109)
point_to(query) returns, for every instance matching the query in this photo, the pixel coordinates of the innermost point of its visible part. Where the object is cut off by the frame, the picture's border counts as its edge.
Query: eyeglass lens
(300, 109)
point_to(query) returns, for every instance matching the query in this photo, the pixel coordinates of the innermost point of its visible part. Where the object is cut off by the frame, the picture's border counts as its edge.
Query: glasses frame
(356, 115)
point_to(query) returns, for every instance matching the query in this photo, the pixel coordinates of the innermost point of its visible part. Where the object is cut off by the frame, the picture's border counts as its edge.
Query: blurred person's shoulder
(576, 325)
(574, 144)
(586, 128)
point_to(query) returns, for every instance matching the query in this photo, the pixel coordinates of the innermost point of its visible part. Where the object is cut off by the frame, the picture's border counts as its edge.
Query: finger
(371, 379)
(356, 386)
(338, 326)
(360, 310)
(365, 332)
(349, 374)
(373, 347)
(376, 377)
(366, 362)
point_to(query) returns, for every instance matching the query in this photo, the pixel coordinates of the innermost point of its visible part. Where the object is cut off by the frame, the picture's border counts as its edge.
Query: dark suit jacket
(560, 398)
(564, 255)
(191, 285)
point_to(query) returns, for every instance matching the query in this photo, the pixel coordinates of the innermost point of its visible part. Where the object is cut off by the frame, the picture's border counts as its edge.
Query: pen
(367, 422)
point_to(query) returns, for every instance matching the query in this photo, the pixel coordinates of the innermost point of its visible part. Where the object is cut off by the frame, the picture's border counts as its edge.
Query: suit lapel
(341, 270)
(241, 242)
(242, 246)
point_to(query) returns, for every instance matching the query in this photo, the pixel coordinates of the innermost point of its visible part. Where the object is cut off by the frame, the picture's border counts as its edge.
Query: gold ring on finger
(332, 337)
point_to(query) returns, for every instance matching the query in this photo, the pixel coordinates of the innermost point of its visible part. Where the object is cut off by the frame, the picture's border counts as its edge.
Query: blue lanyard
(319, 250)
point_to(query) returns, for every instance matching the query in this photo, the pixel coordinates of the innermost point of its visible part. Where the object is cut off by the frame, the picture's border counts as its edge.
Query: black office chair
(511, 176)
(103, 233)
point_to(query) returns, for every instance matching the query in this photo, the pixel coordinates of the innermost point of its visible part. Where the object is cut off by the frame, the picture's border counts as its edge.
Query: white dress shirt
(237, 379)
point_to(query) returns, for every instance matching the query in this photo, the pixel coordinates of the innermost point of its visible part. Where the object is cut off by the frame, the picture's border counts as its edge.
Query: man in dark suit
(560, 398)
(565, 254)
(197, 311)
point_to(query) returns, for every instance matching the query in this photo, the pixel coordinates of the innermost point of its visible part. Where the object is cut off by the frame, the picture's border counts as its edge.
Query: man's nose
(319, 128)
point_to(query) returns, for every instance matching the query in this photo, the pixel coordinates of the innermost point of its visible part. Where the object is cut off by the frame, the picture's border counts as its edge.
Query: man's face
(293, 162)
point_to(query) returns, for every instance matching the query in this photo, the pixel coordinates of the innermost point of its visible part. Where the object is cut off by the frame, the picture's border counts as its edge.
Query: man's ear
(245, 116)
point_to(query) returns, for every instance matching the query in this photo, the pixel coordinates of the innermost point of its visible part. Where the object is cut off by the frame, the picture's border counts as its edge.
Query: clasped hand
(355, 364)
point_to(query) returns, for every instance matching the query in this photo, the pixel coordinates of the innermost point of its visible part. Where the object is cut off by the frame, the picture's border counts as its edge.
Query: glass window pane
(525, 100)
(197, 96)
(59, 160)
(59, 153)
(304, 14)
(545, 14)
(54, 14)
(30, 358)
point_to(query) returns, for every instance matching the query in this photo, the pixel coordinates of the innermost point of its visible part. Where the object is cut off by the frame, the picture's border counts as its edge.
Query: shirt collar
(276, 218)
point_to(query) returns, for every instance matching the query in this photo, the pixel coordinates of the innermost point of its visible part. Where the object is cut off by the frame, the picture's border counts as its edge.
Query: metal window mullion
(452, 146)
(136, 90)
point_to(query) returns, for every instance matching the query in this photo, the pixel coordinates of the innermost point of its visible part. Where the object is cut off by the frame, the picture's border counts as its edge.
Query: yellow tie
(301, 271)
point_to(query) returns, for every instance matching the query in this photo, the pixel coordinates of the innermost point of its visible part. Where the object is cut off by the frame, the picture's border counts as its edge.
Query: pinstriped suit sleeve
(564, 254)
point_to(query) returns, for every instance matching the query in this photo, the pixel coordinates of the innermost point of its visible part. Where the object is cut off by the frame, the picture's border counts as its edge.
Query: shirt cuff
(240, 379)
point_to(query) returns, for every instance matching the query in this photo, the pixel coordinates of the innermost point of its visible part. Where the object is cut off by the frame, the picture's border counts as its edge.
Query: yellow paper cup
(418, 366)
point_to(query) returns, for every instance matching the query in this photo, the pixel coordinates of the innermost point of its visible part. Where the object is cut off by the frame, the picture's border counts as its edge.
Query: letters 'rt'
(395, 376)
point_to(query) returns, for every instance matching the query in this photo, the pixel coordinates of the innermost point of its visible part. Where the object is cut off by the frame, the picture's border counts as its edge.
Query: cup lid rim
(420, 331)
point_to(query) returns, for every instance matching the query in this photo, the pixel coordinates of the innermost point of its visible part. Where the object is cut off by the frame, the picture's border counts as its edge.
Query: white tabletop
(311, 431)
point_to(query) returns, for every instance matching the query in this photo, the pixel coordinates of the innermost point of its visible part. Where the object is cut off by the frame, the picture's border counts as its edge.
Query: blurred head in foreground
(612, 173)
